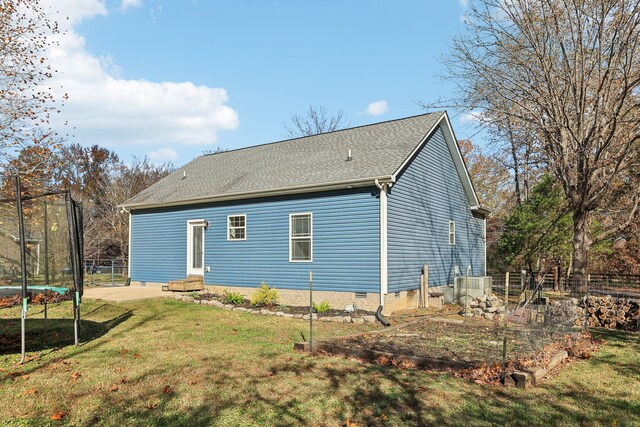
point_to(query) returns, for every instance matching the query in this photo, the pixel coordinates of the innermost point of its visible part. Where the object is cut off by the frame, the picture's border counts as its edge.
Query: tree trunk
(581, 245)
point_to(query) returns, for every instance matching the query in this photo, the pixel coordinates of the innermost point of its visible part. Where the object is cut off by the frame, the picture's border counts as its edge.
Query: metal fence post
(506, 291)
(310, 311)
(23, 271)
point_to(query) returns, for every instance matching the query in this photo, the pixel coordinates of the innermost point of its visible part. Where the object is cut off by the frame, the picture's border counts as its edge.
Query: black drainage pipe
(380, 318)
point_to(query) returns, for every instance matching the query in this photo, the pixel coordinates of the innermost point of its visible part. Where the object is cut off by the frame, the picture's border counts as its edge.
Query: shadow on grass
(41, 334)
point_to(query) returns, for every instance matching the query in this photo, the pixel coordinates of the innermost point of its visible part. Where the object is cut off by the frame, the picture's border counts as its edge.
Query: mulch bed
(208, 296)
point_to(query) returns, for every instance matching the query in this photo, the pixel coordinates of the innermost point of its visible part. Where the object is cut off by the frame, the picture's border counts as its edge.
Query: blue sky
(169, 79)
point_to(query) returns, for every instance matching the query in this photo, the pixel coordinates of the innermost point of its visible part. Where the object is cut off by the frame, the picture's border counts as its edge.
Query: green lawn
(163, 362)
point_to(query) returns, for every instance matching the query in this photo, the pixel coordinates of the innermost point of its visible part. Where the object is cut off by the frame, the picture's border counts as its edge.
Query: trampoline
(16, 291)
(41, 238)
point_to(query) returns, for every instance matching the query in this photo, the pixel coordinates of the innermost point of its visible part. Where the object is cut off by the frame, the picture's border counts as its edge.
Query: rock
(491, 309)
(537, 374)
(357, 320)
(489, 316)
(557, 359)
(350, 308)
(306, 316)
(279, 313)
(369, 318)
(207, 302)
(522, 379)
(288, 316)
(508, 380)
(497, 303)
(482, 305)
(324, 319)
(188, 299)
(473, 304)
(241, 309)
(178, 297)
(335, 319)
(501, 309)
(482, 298)
(477, 311)
(300, 316)
(228, 306)
(346, 319)
(500, 316)
(216, 303)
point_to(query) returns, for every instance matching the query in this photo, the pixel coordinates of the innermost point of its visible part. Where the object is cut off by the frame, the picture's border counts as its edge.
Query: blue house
(362, 208)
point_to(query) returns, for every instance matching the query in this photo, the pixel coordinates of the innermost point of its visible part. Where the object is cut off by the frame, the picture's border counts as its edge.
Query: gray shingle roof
(377, 150)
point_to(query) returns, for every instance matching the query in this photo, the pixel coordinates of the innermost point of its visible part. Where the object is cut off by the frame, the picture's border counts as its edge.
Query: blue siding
(426, 196)
(345, 242)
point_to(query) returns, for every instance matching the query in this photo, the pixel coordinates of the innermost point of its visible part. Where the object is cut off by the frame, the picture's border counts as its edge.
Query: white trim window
(237, 227)
(301, 237)
(452, 233)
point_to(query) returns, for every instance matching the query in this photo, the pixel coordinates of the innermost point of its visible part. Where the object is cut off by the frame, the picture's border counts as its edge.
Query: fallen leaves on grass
(137, 356)
(167, 389)
(193, 380)
(124, 380)
(31, 391)
(57, 416)
(113, 388)
(76, 375)
(151, 405)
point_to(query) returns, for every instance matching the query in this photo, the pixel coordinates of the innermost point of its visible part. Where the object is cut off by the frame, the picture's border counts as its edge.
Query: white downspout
(129, 245)
(384, 187)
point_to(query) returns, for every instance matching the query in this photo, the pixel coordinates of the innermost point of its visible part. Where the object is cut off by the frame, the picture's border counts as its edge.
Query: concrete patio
(125, 293)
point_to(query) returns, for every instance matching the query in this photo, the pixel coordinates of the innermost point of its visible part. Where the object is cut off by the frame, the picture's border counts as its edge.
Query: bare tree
(128, 181)
(568, 70)
(25, 102)
(316, 120)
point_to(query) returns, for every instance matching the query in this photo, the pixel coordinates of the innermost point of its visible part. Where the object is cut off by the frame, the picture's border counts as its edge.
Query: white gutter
(384, 275)
(129, 245)
(362, 182)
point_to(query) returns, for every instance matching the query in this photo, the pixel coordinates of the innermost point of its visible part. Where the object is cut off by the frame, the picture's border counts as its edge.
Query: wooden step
(185, 286)
(194, 278)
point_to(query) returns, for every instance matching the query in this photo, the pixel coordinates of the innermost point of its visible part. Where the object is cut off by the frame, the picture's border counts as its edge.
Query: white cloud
(126, 4)
(463, 3)
(377, 108)
(105, 109)
(162, 155)
(472, 117)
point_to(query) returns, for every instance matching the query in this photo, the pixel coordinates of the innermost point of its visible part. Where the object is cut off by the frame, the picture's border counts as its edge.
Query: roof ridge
(322, 133)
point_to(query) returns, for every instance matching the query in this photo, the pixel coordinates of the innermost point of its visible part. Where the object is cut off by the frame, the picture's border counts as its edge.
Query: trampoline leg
(46, 322)
(23, 318)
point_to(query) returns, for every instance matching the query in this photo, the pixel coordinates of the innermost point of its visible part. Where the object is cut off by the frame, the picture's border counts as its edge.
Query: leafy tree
(568, 73)
(537, 234)
(316, 120)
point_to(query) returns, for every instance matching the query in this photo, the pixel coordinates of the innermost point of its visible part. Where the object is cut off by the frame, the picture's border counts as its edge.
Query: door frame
(190, 225)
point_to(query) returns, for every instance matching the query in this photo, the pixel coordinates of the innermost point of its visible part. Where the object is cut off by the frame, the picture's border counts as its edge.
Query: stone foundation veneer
(337, 300)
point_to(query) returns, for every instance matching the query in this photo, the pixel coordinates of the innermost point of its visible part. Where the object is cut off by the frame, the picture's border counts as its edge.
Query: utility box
(459, 291)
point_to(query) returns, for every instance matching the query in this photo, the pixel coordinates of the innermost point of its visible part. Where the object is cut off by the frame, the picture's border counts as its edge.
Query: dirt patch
(472, 349)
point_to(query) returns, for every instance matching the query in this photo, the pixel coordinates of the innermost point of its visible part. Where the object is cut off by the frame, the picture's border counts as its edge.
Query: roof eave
(355, 183)
(482, 210)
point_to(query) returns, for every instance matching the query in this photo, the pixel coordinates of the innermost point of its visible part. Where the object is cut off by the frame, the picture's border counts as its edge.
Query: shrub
(323, 307)
(265, 295)
(234, 298)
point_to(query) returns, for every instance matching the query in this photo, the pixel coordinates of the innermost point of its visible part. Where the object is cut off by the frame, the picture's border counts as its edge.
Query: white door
(195, 248)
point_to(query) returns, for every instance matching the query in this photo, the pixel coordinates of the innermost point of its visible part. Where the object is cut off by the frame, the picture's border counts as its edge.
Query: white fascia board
(450, 138)
(356, 183)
